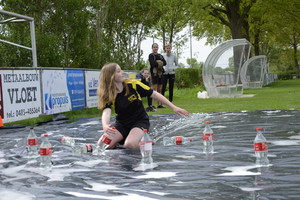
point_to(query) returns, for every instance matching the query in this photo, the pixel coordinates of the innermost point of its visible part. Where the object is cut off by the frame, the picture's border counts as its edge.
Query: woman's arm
(152, 61)
(165, 101)
(176, 61)
(107, 127)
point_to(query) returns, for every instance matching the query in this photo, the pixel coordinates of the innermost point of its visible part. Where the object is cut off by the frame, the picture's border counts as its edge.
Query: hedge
(188, 77)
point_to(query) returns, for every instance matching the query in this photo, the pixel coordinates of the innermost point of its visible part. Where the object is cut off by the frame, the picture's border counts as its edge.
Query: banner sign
(20, 95)
(91, 86)
(63, 90)
(56, 98)
(1, 98)
(75, 83)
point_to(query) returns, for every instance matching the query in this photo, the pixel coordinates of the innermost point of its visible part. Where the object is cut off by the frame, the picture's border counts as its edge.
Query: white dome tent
(221, 71)
(254, 71)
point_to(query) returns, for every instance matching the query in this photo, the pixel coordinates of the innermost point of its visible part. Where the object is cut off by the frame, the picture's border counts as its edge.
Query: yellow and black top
(130, 109)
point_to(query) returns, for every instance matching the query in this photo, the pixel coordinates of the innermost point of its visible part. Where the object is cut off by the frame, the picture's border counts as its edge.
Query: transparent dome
(221, 71)
(254, 71)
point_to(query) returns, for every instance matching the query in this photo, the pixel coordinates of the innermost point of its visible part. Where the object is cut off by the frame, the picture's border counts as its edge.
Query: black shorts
(156, 79)
(124, 129)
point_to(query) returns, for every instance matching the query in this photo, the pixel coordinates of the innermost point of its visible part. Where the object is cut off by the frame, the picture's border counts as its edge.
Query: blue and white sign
(91, 86)
(55, 92)
(63, 90)
(75, 83)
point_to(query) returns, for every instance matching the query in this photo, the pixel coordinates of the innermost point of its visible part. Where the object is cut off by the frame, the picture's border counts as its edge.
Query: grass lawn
(278, 95)
(284, 94)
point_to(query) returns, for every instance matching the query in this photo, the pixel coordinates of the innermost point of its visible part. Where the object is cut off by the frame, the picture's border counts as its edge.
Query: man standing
(169, 69)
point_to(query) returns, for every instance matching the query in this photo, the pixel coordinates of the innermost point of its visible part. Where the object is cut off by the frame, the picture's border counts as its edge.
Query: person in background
(169, 71)
(125, 96)
(139, 75)
(144, 77)
(157, 62)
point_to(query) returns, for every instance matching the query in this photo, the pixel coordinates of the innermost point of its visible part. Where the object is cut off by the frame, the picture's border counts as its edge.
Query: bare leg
(117, 138)
(154, 87)
(159, 90)
(133, 139)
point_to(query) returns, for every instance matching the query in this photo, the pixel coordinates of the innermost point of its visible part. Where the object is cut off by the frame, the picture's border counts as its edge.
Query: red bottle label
(32, 142)
(178, 140)
(89, 148)
(146, 145)
(261, 146)
(207, 136)
(63, 139)
(45, 151)
(105, 140)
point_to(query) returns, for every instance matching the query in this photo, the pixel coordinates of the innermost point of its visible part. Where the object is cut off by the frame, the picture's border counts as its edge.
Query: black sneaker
(161, 106)
(153, 108)
(149, 109)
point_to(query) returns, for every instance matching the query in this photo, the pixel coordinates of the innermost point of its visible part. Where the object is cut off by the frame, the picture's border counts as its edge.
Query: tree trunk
(256, 43)
(164, 36)
(296, 59)
(235, 19)
(172, 32)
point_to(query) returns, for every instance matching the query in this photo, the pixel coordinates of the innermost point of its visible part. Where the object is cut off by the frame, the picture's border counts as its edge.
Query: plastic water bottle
(208, 139)
(146, 148)
(32, 144)
(66, 140)
(83, 149)
(176, 140)
(45, 153)
(103, 143)
(261, 148)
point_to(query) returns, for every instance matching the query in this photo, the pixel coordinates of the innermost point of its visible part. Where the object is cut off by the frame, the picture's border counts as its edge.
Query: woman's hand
(180, 111)
(109, 130)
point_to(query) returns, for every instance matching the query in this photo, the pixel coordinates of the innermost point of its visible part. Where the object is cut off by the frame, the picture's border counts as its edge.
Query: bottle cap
(145, 130)
(113, 127)
(207, 122)
(45, 135)
(258, 129)
(191, 139)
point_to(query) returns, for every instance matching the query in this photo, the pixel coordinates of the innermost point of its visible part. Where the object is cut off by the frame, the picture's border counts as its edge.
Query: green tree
(195, 63)
(279, 29)
(174, 18)
(218, 18)
(119, 27)
(83, 33)
(210, 17)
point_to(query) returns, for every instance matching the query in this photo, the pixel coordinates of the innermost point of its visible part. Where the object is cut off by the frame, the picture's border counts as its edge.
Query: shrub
(188, 77)
(286, 75)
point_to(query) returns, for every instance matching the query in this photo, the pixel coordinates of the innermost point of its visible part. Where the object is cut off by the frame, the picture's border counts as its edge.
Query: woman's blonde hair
(168, 45)
(146, 69)
(107, 91)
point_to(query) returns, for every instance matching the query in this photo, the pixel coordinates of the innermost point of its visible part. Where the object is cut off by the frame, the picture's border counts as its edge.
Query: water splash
(180, 125)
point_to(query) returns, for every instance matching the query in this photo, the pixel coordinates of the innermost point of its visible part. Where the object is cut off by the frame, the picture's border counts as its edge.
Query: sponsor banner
(75, 83)
(20, 95)
(63, 90)
(55, 91)
(91, 86)
(1, 98)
